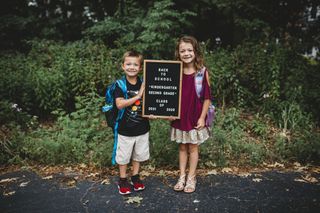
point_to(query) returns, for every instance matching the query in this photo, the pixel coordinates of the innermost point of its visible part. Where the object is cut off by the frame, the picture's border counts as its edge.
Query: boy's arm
(122, 102)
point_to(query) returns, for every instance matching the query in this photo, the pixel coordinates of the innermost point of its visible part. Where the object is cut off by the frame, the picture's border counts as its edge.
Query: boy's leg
(140, 154)
(123, 171)
(135, 178)
(123, 185)
(123, 155)
(135, 167)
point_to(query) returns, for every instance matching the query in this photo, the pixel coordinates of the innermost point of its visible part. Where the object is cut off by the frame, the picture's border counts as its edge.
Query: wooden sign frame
(162, 93)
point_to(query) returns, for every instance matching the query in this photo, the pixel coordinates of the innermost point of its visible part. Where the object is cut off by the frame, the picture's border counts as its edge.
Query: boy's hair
(199, 61)
(132, 53)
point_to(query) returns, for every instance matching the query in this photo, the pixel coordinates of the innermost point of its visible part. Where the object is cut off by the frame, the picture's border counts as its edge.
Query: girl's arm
(122, 102)
(201, 121)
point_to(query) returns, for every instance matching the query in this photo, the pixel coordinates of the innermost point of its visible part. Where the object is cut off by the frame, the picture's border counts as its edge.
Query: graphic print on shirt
(133, 112)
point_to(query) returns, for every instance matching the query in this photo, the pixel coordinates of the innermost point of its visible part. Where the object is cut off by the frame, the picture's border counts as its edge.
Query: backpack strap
(123, 86)
(198, 81)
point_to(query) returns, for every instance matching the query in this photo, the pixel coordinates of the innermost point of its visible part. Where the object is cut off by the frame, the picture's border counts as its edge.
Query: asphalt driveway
(25, 191)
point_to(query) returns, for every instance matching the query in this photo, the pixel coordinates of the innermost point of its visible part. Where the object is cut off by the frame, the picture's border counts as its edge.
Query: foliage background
(58, 56)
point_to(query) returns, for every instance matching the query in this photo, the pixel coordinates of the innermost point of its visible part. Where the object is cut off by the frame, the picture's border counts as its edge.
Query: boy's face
(186, 52)
(131, 66)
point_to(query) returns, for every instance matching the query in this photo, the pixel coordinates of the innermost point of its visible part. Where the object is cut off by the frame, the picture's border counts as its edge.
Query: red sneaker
(137, 183)
(124, 187)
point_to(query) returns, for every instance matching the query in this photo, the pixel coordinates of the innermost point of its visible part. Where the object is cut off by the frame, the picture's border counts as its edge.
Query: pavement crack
(82, 199)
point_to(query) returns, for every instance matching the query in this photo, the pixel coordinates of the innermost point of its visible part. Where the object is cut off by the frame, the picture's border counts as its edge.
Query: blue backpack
(113, 115)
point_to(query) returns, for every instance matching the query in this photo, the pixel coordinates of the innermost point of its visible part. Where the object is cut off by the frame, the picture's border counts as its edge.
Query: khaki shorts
(132, 147)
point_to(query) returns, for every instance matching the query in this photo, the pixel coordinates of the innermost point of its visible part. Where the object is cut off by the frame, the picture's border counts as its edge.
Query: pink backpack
(199, 76)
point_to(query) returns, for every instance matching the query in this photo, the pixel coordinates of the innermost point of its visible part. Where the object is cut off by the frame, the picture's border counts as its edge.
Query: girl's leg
(183, 158)
(193, 162)
(135, 167)
(193, 159)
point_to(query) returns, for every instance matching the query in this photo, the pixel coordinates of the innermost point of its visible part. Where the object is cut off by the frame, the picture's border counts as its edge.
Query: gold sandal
(191, 184)
(180, 184)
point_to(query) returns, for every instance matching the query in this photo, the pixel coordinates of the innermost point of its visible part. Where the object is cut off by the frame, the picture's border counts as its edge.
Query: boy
(133, 131)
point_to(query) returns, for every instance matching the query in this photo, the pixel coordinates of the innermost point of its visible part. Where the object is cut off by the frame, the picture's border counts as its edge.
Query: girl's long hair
(198, 61)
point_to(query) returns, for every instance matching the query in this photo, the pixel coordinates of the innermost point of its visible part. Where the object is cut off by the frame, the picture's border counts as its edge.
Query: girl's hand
(170, 118)
(200, 124)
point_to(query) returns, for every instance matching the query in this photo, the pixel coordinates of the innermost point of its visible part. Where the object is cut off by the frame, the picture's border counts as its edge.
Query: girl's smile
(186, 53)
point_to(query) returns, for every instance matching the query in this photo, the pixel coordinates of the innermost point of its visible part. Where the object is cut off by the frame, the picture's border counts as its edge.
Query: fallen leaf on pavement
(244, 174)
(92, 175)
(145, 173)
(298, 167)
(306, 179)
(82, 165)
(24, 184)
(276, 164)
(48, 177)
(226, 170)
(8, 180)
(316, 170)
(257, 180)
(9, 193)
(135, 199)
(105, 181)
(71, 183)
(212, 172)
(162, 173)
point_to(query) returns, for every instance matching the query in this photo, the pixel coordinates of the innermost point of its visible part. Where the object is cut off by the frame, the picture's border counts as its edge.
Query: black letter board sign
(162, 92)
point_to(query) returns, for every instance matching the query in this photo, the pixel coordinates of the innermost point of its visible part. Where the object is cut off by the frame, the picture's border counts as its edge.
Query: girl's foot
(191, 184)
(180, 184)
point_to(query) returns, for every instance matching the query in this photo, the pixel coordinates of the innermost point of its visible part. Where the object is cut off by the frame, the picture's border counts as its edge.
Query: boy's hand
(140, 93)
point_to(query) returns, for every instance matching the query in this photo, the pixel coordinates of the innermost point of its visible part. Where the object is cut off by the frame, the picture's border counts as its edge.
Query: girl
(190, 130)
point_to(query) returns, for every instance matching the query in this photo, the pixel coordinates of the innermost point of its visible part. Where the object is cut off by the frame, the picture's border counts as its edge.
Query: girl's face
(131, 66)
(186, 53)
